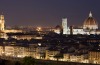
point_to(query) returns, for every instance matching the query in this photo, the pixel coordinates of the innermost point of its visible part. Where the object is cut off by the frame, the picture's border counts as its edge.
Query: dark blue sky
(48, 12)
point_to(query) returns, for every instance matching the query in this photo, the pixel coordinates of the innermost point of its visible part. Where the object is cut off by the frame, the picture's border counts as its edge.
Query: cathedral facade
(90, 26)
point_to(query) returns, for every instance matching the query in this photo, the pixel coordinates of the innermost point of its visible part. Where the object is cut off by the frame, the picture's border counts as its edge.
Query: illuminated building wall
(94, 56)
(57, 31)
(66, 57)
(1, 50)
(50, 54)
(28, 37)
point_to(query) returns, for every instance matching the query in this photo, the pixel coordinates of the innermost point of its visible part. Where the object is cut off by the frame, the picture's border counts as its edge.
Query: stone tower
(64, 25)
(2, 23)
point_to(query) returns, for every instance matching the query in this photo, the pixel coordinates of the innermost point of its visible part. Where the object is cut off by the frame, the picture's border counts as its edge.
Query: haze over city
(49, 32)
(48, 12)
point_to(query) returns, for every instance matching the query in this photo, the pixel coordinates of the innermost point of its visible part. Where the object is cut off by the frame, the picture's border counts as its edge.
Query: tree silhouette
(58, 56)
(28, 61)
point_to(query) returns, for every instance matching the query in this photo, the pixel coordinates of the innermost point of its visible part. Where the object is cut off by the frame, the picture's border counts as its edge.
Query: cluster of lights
(39, 29)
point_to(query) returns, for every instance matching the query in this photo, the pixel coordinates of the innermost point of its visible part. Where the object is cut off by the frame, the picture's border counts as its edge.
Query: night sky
(48, 12)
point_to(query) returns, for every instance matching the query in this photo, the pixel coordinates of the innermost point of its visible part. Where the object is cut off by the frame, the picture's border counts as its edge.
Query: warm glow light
(39, 29)
(39, 44)
(0, 21)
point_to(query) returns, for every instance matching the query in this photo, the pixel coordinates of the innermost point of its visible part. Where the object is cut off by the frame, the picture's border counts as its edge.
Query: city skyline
(48, 13)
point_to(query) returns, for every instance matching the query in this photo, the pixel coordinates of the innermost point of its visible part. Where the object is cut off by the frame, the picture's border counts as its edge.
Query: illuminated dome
(90, 23)
(58, 27)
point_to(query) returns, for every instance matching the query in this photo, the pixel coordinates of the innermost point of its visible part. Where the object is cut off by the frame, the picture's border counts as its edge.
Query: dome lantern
(90, 14)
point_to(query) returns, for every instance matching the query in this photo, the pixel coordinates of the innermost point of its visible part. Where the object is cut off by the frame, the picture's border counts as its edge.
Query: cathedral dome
(90, 23)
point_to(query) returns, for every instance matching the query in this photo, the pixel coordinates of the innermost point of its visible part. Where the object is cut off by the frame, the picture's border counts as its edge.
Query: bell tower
(64, 25)
(2, 22)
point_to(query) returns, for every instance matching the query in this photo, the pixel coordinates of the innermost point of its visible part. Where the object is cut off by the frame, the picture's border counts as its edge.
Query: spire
(90, 14)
